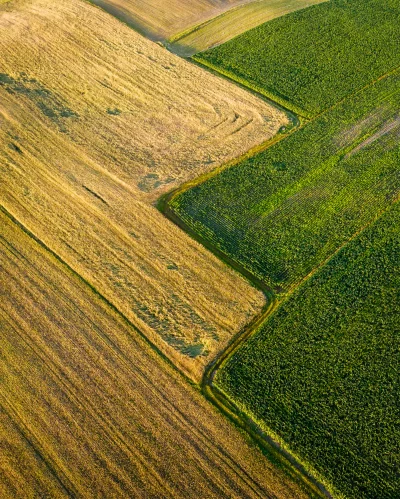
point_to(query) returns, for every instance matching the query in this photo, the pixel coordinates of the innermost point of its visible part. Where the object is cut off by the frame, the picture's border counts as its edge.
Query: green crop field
(283, 212)
(135, 189)
(321, 373)
(232, 23)
(313, 58)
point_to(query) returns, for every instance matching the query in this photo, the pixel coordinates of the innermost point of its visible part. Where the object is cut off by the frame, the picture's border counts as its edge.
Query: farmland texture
(159, 19)
(322, 373)
(283, 212)
(234, 22)
(97, 122)
(88, 409)
(313, 58)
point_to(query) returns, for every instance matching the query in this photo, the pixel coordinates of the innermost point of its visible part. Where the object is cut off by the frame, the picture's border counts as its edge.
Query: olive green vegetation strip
(276, 453)
(271, 448)
(198, 204)
(271, 95)
(192, 29)
(232, 23)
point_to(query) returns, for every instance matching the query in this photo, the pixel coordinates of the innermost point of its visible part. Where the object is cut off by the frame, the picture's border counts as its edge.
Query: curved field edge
(270, 446)
(338, 282)
(110, 163)
(158, 21)
(319, 185)
(266, 439)
(273, 446)
(270, 94)
(232, 23)
(332, 49)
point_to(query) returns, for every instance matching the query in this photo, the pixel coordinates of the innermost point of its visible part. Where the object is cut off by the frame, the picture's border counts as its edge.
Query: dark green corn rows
(315, 57)
(323, 372)
(286, 210)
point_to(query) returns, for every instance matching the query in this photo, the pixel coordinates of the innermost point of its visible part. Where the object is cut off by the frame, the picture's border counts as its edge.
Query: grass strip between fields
(268, 442)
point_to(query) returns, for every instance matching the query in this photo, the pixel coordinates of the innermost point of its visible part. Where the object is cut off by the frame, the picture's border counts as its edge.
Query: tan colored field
(88, 409)
(235, 22)
(97, 122)
(160, 19)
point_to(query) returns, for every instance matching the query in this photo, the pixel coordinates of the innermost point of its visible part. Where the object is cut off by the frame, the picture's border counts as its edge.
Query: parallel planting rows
(96, 286)
(316, 218)
(311, 59)
(322, 374)
(284, 211)
(88, 409)
(97, 122)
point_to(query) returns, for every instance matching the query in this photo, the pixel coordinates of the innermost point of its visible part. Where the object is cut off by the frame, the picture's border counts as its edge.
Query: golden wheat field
(97, 122)
(88, 409)
(160, 19)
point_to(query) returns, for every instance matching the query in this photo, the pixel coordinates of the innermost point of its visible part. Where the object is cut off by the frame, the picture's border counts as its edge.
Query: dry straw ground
(160, 19)
(95, 123)
(87, 409)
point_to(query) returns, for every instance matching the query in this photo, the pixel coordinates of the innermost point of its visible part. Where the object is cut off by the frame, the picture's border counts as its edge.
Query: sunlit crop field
(322, 373)
(313, 58)
(315, 217)
(160, 19)
(119, 329)
(97, 122)
(234, 22)
(88, 409)
(283, 212)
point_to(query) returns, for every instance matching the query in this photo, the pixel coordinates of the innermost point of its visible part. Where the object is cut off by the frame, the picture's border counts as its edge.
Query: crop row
(313, 58)
(286, 210)
(321, 373)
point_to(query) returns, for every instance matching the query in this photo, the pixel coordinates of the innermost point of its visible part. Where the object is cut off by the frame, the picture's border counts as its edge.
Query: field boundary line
(192, 29)
(245, 477)
(273, 97)
(85, 282)
(229, 407)
(216, 396)
(267, 443)
(275, 452)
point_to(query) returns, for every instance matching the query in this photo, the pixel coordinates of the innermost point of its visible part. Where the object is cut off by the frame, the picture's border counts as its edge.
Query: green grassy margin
(269, 94)
(275, 451)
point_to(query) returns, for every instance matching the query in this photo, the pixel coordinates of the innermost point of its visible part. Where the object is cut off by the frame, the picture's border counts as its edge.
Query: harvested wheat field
(160, 19)
(87, 409)
(97, 122)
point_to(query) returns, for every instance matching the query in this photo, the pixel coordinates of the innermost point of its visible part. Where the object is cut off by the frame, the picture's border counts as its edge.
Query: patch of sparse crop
(286, 210)
(50, 105)
(322, 373)
(313, 58)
